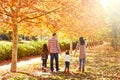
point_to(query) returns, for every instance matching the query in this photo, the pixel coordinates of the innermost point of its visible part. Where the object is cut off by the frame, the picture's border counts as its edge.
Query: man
(54, 49)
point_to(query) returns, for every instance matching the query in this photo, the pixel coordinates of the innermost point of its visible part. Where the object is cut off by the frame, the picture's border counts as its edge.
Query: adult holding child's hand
(81, 46)
(54, 49)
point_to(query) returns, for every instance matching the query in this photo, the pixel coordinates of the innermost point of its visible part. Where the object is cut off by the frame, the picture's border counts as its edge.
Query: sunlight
(104, 3)
(111, 6)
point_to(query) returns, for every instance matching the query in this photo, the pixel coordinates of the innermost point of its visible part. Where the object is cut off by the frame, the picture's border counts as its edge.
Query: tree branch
(42, 14)
(5, 12)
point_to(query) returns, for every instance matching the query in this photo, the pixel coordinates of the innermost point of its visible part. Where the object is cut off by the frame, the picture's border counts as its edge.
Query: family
(53, 48)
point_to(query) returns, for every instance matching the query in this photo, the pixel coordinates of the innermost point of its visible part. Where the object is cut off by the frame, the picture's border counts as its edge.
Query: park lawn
(102, 63)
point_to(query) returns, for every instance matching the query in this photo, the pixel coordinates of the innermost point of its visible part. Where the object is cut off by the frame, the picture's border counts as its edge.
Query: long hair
(44, 49)
(82, 41)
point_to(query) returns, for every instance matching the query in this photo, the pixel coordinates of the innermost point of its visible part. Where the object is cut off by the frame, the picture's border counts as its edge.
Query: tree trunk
(114, 39)
(14, 49)
(71, 45)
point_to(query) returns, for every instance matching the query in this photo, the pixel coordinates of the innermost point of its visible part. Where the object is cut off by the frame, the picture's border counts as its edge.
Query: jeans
(44, 62)
(82, 63)
(67, 64)
(52, 57)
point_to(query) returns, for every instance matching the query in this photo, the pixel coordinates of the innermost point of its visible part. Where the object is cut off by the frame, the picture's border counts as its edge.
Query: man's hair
(54, 34)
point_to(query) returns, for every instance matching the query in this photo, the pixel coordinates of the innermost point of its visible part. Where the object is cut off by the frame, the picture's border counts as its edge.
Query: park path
(22, 63)
(5, 67)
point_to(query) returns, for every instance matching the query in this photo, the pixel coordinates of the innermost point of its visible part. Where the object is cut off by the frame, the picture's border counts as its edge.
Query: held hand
(60, 52)
(74, 53)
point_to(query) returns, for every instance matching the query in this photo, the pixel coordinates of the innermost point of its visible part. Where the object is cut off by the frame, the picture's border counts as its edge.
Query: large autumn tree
(19, 14)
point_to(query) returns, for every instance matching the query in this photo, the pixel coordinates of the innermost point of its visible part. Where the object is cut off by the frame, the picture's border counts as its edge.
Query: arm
(58, 46)
(77, 47)
(48, 45)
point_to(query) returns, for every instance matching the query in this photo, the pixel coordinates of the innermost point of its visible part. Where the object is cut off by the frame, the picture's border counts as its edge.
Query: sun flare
(104, 3)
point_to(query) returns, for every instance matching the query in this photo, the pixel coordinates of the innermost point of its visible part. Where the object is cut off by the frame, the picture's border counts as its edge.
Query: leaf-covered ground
(102, 64)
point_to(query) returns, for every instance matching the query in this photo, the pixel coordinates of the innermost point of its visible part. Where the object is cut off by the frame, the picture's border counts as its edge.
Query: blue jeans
(82, 63)
(44, 62)
(52, 57)
(67, 64)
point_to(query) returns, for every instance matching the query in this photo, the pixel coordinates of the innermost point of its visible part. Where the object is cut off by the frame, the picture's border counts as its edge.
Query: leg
(80, 62)
(65, 66)
(51, 61)
(45, 63)
(42, 62)
(83, 65)
(68, 65)
(56, 61)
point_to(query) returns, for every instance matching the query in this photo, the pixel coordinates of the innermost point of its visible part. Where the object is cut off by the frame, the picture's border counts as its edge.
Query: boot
(83, 69)
(79, 69)
(65, 70)
(42, 69)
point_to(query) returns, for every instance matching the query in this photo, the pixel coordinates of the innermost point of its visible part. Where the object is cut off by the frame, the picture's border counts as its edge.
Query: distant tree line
(8, 37)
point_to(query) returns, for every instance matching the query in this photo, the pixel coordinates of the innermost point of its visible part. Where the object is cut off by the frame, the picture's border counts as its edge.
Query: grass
(102, 63)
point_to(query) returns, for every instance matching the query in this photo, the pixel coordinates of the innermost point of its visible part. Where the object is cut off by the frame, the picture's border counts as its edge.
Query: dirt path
(25, 62)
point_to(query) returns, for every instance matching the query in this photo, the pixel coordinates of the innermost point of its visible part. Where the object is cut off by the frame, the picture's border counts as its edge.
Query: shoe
(58, 70)
(83, 70)
(79, 69)
(42, 69)
(65, 70)
(51, 71)
(45, 70)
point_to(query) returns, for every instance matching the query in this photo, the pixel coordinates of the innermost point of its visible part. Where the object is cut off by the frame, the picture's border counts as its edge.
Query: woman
(81, 46)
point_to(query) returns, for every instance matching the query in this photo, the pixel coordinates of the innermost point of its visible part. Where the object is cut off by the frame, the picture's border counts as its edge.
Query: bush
(5, 50)
(65, 44)
(30, 49)
(25, 49)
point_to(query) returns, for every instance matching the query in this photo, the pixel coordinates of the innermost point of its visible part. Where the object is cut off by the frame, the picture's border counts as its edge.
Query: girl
(67, 61)
(44, 57)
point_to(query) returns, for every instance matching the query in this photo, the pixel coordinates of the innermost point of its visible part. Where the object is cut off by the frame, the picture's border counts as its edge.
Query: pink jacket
(82, 50)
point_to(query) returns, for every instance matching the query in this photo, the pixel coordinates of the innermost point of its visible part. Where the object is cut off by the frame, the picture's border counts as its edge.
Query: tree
(21, 13)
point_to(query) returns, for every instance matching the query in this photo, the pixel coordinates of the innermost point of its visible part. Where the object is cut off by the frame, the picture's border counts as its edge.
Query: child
(67, 61)
(44, 57)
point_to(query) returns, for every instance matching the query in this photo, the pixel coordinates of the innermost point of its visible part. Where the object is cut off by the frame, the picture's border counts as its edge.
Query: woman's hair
(67, 52)
(44, 47)
(82, 41)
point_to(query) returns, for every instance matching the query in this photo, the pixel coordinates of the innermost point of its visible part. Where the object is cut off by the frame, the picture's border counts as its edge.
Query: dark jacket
(44, 54)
